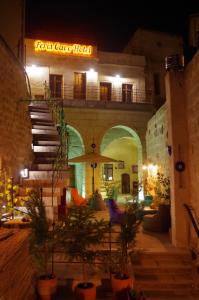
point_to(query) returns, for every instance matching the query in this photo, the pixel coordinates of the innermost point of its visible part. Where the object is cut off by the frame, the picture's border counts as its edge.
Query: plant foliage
(79, 233)
(41, 238)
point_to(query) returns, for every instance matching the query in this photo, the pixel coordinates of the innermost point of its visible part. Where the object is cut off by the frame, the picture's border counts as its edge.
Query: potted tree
(121, 279)
(80, 232)
(41, 244)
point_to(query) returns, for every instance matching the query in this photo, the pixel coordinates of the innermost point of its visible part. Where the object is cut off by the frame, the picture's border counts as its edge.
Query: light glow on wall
(117, 80)
(91, 74)
(24, 173)
(33, 70)
(151, 169)
(62, 48)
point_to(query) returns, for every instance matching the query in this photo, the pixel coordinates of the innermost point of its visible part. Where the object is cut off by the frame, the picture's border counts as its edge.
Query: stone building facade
(105, 100)
(155, 46)
(15, 133)
(192, 97)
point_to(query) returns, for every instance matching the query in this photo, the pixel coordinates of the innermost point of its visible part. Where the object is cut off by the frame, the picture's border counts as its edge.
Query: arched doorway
(123, 144)
(125, 183)
(77, 170)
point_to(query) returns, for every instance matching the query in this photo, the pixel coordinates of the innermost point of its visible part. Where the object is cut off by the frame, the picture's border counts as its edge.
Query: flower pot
(47, 286)
(148, 200)
(85, 291)
(120, 283)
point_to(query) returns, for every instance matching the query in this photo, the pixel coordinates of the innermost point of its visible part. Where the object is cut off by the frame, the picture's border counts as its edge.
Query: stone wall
(17, 274)
(192, 92)
(156, 140)
(15, 127)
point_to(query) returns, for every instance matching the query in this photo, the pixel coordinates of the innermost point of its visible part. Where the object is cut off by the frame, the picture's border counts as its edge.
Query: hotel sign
(62, 48)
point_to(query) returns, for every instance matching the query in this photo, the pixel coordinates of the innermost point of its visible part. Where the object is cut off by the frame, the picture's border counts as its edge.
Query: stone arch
(76, 147)
(127, 136)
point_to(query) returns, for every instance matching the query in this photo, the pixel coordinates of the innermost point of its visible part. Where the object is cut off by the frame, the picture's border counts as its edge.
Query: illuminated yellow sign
(60, 48)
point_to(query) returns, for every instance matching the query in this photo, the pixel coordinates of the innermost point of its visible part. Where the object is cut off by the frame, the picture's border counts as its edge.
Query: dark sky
(108, 24)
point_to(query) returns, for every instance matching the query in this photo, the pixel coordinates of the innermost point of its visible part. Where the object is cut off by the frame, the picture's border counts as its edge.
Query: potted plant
(121, 279)
(41, 244)
(80, 232)
(163, 188)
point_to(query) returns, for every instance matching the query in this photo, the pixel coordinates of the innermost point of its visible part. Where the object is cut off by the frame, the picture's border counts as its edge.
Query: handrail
(57, 110)
(194, 221)
(92, 92)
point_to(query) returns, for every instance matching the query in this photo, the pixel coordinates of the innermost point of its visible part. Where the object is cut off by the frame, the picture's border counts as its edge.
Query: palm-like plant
(126, 237)
(120, 259)
(41, 238)
(80, 232)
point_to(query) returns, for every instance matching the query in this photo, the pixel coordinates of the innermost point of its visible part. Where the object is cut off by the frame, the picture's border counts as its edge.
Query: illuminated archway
(76, 148)
(123, 143)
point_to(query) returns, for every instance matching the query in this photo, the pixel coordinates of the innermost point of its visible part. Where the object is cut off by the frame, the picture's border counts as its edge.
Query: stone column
(178, 140)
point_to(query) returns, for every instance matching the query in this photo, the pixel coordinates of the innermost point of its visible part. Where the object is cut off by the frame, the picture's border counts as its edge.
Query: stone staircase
(103, 190)
(45, 145)
(166, 275)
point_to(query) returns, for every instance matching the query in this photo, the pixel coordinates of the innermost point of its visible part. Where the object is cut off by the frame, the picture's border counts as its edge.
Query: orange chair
(76, 198)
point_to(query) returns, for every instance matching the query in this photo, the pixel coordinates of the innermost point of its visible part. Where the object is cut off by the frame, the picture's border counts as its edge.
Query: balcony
(112, 105)
(94, 97)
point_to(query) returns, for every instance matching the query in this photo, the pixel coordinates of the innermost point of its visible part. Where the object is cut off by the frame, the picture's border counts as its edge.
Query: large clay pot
(119, 283)
(85, 291)
(47, 286)
(53, 284)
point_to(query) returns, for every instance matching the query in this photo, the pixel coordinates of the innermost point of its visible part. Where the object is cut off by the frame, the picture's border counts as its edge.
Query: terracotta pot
(47, 286)
(119, 283)
(85, 291)
(53, 284)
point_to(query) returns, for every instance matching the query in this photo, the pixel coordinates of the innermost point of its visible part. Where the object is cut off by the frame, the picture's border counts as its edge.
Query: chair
(158, 222)
(77, 199)
(116, 214)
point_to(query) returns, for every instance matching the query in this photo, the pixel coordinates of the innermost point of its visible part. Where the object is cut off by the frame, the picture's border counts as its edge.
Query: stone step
(42, 167)
(44, 132)
(162, 270)
(45, 127)
(172, 254)
(48, 201)
(44, 160)
(51, 212)
(39, 104)
(150, 279)
(45, 154)
(41, 116)
(46, 143)
(44, 183)
(45, 137)
(163, 286)
(46, 149)
(170, 294)
(46, 191)
(57, 191)
(42, 122)
(46, 167)
(156, 263)
(35, 108)
(41, 175)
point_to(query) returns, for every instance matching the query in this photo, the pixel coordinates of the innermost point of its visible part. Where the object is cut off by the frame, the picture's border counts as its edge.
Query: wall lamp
(24, 173)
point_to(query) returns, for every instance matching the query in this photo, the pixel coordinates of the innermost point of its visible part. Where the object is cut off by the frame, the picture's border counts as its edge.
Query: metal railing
(191, 212)
(61, 160)
(93, 92)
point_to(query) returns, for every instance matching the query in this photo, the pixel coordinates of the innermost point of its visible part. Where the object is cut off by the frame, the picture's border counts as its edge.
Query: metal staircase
(49, 169)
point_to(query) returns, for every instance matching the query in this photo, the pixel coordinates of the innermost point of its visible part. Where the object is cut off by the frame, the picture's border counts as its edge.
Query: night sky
(107, 24)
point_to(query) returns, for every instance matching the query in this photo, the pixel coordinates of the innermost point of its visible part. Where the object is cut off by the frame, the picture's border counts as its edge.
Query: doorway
(79, 85)
(125, 183)
(56, 83)
(127, 93)
(105, 91)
